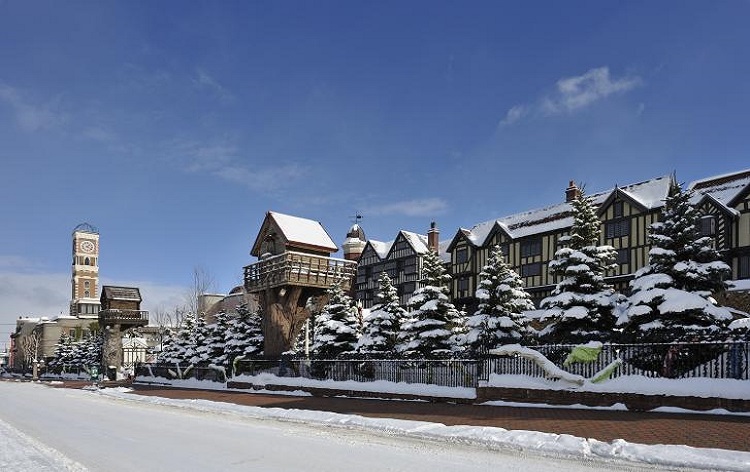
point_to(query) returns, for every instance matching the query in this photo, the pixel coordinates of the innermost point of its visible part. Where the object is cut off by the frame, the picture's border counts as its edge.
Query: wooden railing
(139, 317)
(296, 268)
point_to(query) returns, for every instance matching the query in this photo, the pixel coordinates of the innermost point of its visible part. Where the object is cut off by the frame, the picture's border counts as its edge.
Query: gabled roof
(648, 194)
(726, 189)
(296, 231)
(121, 293)
(417, 241)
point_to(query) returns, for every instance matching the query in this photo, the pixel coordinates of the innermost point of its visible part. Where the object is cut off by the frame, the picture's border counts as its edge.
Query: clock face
(87, 246)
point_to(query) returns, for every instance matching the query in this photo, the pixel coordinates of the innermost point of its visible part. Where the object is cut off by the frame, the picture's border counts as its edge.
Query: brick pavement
(697, 430)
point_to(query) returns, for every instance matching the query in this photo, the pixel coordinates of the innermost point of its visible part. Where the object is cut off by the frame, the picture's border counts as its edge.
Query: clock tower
(84, 301)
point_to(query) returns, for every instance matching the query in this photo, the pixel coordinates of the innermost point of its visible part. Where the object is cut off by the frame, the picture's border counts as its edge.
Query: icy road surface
(49, 429)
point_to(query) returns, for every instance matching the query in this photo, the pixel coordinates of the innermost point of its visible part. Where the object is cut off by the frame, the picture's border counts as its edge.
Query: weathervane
(357, 216)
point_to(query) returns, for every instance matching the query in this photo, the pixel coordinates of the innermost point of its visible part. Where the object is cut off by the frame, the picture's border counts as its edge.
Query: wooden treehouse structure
(120, 311)
(294, 265)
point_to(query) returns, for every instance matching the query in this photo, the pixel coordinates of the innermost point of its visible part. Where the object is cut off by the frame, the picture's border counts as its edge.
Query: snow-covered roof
(304, 231)
(650, 194)
(722, 188)
(295, 231)
(417, 241)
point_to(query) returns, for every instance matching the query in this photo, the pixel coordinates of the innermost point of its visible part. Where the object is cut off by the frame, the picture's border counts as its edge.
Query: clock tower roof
(85, 228)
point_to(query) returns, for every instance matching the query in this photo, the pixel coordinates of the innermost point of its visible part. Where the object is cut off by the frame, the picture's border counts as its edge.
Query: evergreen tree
(381, 326)
(582, 305)
(168, 347)
(179, 347)
(198, 351)
(670, 299)
(435, 327)
(503, 300)
(214, 347)
(243, 337)
(336, 327)
(63, 353)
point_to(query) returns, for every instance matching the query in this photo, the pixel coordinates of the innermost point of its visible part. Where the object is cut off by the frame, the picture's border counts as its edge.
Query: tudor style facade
(530, 239)
(724, 203)
(401, 259)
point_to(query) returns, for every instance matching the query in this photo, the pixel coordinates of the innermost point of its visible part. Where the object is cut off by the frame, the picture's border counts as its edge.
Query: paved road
(697, 430)
(103, 434)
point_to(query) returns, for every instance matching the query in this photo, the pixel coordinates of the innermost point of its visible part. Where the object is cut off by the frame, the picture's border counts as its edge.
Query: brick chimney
(433, 237)
(572, 192)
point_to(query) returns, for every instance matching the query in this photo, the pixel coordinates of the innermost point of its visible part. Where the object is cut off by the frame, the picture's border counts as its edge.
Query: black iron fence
(445, 372)
(707, 360)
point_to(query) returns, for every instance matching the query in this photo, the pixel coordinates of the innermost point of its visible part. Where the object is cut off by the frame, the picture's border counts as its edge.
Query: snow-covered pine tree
(500, 317)
(214, 346)
(199, 348)
(671, 296)
(244, 336)
(93, 352)
(581, 307)
(381, 326)
(63, 353)
(179, 347)
(168, 347)
(336, 327)
(434, 329)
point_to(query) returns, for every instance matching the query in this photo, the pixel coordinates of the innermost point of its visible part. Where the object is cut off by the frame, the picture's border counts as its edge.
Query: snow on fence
(707, 360)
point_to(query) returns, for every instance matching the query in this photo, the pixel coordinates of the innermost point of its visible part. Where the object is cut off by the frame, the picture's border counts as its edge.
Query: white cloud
(29, 116)
(205, 81)
(418, 207)
(574, 93)
(514, 114)
(223, 160)
(262, 179)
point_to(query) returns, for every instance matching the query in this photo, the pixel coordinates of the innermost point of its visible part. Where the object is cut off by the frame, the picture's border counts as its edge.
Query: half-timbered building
(400, 258)
(724, 205)
(530, 239)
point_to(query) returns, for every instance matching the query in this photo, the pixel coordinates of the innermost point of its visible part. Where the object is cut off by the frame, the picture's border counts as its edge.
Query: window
(708, 225)
(530, 248)
(463, 287)
(617, 228)
(87, 284)
(744, 272)
(531, 270)
(86, 294)
(410, 267)
(623, 256)
(618, 209)
(462, 255)
(505, 249)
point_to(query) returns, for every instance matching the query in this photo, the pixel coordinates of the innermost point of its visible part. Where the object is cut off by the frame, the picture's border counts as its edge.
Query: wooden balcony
(295, 268)
(123, 317)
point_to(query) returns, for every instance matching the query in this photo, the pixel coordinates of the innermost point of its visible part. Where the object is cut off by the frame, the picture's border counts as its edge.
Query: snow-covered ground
(69, 430)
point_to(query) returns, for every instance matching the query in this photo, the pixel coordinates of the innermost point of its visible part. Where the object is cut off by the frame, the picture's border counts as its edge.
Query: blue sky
(174, 126)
